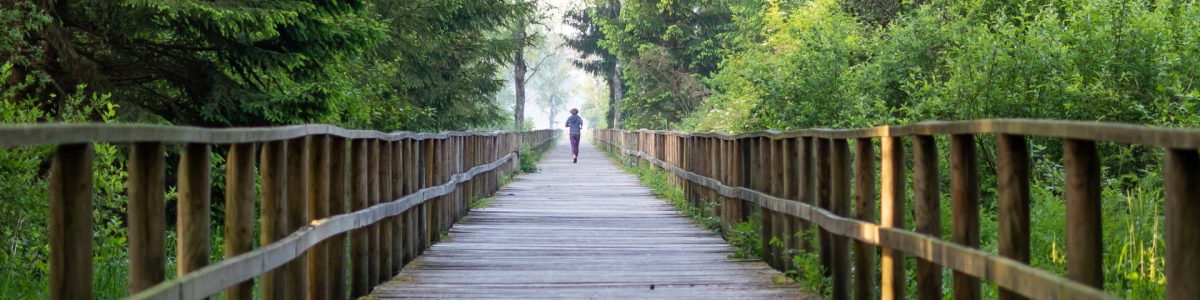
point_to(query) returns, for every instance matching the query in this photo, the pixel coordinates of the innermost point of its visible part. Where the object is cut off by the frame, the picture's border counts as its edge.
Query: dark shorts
(575, 144)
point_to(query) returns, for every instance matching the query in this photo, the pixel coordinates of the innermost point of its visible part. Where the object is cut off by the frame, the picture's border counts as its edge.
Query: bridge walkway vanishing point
(582, 230)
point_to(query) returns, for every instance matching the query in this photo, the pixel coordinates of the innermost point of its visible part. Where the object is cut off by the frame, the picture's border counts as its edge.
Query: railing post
(147, 228)
(386, 225)
(373, 255)
(337, 205)
(864, 210)
(318, 207)
(822, 165)
(192, 224)
(964, 191)
(763, 165)
(398, 226)
(359, 192)
(297, 212)
(1182, 211)
(840, 205)
(927, 212)
(891, 215)
(806, 179)
(239, 211)
(1012, 180)
(71, 222)
(1085, 241)
(792, 177)
(273, 212)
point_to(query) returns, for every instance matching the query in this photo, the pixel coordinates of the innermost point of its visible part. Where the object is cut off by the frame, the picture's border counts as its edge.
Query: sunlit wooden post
(297, 212)
(964, 191)
(787, 191)
(1012, 180)
(318, 208)
(891, 215)
(1182, 211)
(359, 190)
(927, 212)
(71, 222)
(192, 223)
(239, 211)
(273, 212)
(864, 210)
(839, 194)
(339, 150)
(1085, 243)
(146, 209)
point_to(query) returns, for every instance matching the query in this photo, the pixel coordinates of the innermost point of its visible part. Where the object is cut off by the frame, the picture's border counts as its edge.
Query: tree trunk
(519, 69)
(616, 92)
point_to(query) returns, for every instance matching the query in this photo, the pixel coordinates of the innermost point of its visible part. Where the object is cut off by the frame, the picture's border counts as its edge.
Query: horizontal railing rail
(803, 178)
(389, 194)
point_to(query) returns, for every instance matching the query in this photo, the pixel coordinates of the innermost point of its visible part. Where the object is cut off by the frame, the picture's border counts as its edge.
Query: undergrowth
(745, 237)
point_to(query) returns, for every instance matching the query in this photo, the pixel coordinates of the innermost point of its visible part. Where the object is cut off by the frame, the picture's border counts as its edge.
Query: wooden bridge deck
(585, 230)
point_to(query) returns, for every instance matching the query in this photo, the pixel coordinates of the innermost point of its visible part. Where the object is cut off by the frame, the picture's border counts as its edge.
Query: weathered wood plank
(581, 230)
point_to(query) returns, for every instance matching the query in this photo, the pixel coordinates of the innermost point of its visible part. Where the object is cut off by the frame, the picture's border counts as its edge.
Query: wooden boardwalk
(585, 230)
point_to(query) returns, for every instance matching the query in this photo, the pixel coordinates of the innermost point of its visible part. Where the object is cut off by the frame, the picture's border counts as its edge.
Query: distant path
(582, 230)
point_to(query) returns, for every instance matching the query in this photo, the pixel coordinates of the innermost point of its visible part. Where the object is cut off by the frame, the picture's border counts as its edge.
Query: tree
(193, 62)
(594, 58)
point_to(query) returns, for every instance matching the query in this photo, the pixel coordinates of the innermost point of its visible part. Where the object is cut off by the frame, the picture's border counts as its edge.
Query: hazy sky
(576, 80)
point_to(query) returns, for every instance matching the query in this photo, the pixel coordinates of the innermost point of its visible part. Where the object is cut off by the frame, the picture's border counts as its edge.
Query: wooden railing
(803, 178)
(390, 193)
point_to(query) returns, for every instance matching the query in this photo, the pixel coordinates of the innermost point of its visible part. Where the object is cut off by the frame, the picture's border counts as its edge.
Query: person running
(575, 123)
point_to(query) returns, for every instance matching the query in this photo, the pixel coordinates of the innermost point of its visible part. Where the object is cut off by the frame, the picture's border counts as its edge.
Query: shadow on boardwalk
(585, 230)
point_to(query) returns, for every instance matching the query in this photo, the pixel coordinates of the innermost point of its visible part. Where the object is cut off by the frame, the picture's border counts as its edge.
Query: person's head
(574, 111)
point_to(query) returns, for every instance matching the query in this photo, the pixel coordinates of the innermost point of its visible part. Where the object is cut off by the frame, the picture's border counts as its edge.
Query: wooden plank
(77, 133)
(297, 211)
(839, 203)
(318, 208)
(397, 191)
(360, 284)
(385, 226)
(239, 211)
(554, 234)
(338, 170)
(146, 209)
(1094, 131)
(864, 210)
(806, 184)
(373, 245)
(193, 222)
(1085, 242)
(927, 212)
(273, 211)
(1182, 169)
(71, 222)
(891, 215)
(1012, 180)
(964, 191)
(821, 162)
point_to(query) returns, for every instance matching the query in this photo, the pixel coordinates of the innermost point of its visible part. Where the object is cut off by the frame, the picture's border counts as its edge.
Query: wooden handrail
(411, 187)
(803, 177)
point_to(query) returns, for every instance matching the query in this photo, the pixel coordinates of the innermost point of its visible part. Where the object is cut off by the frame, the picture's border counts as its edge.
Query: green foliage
(24, 254)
